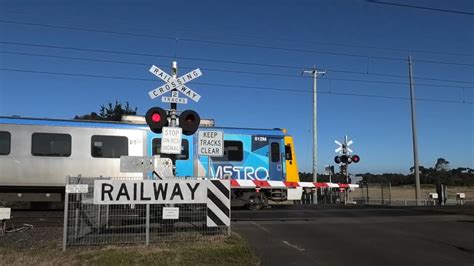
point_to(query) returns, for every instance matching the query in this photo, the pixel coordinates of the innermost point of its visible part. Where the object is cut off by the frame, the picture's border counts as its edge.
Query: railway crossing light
(350, 159)
(345, 158)
(156, 118)
(355, 158)
(189, 121)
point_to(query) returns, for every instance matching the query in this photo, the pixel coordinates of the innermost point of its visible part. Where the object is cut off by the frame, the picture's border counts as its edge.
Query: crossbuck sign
(178, 84)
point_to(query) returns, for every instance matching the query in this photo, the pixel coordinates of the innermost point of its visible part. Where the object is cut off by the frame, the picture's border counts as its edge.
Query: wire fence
(86, 223)
(375, 193)
(384, 194)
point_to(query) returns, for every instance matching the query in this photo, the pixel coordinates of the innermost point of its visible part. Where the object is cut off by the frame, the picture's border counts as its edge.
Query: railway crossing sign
(178, 84)
(343, 147)
(174, 98)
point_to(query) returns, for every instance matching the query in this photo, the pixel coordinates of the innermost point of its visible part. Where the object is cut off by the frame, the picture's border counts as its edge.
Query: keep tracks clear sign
(211, 143)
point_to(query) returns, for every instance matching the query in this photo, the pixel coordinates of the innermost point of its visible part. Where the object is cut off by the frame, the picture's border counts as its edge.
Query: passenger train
(36, 156)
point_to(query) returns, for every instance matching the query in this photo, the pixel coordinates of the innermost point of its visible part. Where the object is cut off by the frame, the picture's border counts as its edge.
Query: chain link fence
(88, 224)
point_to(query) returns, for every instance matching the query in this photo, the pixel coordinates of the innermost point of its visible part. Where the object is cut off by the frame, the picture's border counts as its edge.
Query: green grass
(231, 250)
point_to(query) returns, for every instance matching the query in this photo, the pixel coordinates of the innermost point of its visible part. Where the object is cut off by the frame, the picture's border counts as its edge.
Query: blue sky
(353, 40)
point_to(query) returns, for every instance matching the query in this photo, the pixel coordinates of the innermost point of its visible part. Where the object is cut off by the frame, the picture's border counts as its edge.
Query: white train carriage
(37, 155)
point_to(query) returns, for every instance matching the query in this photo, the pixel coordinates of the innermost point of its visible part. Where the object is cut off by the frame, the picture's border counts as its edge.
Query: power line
(398, 76)
(405, 50)
(86, 29)
(239, 44)
(247, 35)
(229, 71)
(233, 86)
(221, 61)
(421, 7)
(328, 53)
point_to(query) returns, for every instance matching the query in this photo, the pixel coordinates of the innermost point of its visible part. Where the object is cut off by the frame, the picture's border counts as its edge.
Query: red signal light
(355, 158)
(189, 121)
(156, 117)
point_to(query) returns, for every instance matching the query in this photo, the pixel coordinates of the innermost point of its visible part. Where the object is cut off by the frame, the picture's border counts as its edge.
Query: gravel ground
(35, 237)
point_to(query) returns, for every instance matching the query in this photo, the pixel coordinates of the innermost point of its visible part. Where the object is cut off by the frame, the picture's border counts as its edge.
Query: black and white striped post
(218, 203)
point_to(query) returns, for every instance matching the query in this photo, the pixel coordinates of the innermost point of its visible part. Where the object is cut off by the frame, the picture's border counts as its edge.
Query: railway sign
(170, 213)
(174, 100)
(211, 143)
(343, 147)
(171, 140)
(5, 214)
(172, 83)
(149, 191)
(77, 188)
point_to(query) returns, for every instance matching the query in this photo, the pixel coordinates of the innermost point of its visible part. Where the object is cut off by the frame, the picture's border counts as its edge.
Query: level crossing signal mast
(167, 122)
(346, 157)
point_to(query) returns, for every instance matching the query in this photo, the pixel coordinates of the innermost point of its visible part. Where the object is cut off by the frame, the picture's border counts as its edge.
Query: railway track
(36, 218)
(286, 213)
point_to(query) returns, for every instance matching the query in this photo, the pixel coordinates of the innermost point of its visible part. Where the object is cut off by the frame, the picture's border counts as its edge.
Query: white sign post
(171, 140)
(210, 144)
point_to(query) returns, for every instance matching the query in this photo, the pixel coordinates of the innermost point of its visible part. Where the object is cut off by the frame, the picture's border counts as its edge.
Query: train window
(5, 142)
(156, 149)
(51, 144)
(288, 154)
(233, 151)
(109, 146)
(275, 151)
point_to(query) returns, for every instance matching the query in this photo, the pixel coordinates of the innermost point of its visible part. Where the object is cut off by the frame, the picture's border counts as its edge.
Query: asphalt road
(359, 236)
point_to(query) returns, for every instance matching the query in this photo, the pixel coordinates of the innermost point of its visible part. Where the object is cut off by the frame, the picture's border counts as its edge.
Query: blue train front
(249, 154)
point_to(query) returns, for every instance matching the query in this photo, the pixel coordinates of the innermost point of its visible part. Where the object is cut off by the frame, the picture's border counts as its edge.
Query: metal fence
(375, 193)
(88, 224)
(383, 194)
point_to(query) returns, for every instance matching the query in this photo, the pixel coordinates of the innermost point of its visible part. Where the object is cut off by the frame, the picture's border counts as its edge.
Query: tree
(421, 168)
(442, 165)
(110, 112)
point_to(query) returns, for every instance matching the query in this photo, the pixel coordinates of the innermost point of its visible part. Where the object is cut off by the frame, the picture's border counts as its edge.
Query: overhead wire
(406, 50)
(221, 61)
(420, 7)
(235, 86)
(233, 43)
(228, 71)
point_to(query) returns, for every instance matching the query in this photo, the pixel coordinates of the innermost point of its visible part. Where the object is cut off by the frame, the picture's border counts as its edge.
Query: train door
(276, 165)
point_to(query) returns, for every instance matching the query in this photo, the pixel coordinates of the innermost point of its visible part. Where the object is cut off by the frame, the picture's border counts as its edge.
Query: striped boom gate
(218, 203)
